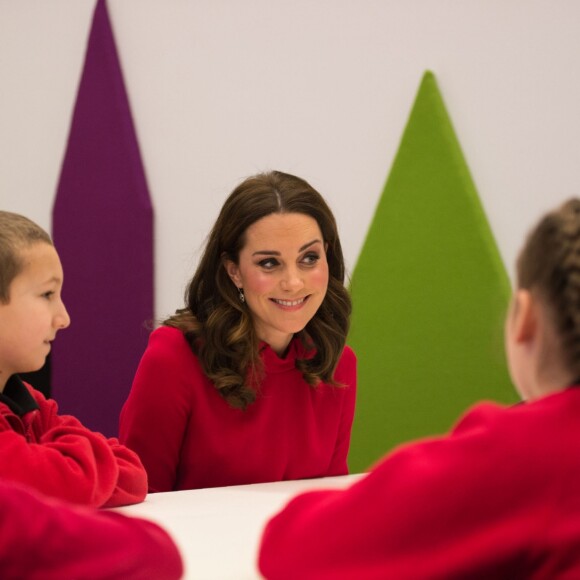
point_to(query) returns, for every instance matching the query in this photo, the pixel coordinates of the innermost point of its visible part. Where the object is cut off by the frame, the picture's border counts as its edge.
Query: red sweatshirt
(189, 437)
(497, 498)
(45, 539)
(59, 457)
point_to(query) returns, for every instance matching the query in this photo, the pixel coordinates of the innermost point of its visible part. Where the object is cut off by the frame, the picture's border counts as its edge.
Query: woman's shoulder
(345, 372)
(307, 351)
(348, 355)
(169, 354)
(347, 361)
(170, 342)
(165, 333)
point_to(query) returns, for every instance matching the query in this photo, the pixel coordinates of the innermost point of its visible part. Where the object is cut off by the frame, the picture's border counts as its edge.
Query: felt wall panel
(429, 292)
(103, 231)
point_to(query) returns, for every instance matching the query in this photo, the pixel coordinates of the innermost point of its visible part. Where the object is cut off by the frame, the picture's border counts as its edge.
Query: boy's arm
(130, 485)
(132, 480)
(68, 461)
(46, 539)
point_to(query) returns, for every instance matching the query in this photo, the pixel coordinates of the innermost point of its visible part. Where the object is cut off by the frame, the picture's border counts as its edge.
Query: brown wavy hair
(549, 264)
(219, 328)
(16, 233)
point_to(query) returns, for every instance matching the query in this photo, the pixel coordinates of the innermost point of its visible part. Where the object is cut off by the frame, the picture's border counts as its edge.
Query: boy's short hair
(16, 232)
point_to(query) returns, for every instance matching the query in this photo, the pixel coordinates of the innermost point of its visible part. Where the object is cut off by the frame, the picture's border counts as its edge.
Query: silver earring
(241, 295)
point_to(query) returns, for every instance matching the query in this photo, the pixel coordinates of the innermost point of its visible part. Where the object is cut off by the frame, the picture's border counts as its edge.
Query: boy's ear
(525, 316)
(233, 272)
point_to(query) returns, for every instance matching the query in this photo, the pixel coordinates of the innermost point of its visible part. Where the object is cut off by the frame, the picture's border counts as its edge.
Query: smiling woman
(252, 381)
(283, 286)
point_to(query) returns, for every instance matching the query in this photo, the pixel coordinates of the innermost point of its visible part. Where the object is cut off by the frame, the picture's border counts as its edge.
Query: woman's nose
(292, 280)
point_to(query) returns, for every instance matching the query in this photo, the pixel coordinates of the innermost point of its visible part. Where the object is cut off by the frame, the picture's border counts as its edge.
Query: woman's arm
(345, 375)
(155, 416)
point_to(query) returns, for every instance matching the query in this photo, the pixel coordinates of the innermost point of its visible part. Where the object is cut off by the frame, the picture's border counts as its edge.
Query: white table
(218, 529)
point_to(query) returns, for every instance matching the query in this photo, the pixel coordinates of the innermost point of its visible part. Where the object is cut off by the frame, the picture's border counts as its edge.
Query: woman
(251, 381)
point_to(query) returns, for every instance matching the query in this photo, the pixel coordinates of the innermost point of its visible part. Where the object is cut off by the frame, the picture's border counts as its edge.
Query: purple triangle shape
(103, 231)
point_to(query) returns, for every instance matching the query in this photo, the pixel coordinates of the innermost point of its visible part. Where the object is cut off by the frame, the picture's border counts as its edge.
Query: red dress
(189, 437)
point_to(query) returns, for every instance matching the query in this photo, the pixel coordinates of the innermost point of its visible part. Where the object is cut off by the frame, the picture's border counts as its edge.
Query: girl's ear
(525, 323)
(233, 272)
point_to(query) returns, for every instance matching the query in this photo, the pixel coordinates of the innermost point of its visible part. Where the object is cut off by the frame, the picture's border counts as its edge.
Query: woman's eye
(268, 263)
(48, 295)
(311, 258)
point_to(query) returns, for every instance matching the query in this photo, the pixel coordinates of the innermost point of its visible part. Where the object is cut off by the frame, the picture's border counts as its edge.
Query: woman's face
(284, 274)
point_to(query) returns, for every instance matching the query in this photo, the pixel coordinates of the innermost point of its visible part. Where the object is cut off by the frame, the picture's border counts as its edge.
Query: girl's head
(543, 328)
(275, 242)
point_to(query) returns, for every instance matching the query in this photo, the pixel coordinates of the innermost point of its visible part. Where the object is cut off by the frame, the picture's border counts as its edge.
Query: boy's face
(34, 313)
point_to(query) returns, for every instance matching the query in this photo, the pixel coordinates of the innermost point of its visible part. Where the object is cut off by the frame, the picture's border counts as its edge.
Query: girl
(251, 381)
(498, 497)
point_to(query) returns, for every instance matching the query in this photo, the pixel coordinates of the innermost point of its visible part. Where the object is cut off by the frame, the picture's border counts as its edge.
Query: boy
(54, 454)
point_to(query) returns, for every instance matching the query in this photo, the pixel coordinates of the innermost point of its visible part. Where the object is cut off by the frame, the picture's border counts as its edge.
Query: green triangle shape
(429, 294)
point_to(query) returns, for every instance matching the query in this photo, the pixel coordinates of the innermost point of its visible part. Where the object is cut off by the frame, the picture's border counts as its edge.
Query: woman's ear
(233, 272)
(525, 316)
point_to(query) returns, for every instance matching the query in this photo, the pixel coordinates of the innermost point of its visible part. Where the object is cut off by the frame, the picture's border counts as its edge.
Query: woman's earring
(241, 295)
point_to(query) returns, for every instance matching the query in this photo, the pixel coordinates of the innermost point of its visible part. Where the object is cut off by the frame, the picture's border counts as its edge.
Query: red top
(59, 457)
(189, 437)
(45, 539)
(497, 498)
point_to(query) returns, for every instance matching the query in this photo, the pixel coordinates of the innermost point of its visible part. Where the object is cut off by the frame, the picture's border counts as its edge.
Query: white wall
(221, 89)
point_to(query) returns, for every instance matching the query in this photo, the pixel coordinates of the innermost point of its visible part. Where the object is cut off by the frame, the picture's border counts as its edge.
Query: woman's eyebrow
(309, 244)
(276, 253)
